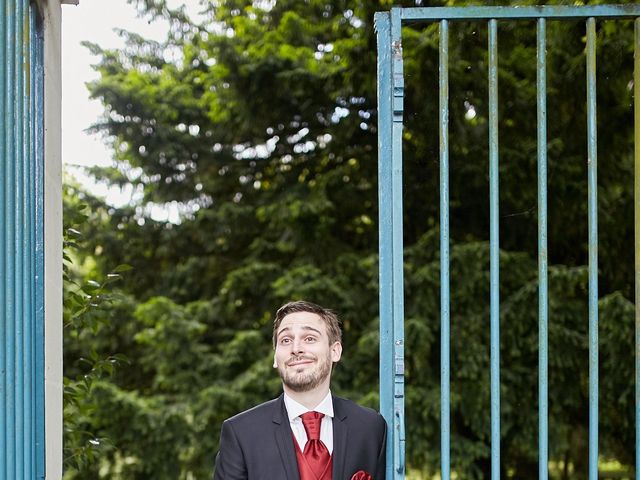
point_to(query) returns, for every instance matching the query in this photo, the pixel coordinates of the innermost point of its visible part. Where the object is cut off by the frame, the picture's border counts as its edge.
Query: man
(306, 433)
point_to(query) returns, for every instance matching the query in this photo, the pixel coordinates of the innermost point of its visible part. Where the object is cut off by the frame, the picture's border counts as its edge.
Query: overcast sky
(95, 21)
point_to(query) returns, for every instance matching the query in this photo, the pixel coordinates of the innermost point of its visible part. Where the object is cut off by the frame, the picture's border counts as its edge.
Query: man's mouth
(299, 361)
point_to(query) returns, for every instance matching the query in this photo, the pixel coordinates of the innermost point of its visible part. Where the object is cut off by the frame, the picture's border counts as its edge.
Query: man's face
(303, 355)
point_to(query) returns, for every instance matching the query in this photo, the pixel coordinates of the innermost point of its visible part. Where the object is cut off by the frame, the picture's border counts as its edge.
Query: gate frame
(388, 27)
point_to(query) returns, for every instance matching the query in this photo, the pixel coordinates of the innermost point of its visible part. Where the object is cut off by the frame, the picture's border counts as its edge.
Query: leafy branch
(85, 307)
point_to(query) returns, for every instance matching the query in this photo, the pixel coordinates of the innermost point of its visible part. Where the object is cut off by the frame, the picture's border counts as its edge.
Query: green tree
(259, 123)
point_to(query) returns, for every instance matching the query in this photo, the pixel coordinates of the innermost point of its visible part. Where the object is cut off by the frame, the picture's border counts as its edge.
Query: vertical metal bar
(398, 263)
(4, 124)
(636, 193)
(391, 80)
(494, 249)
(593, 247)
(444, 254)
(543, 305)
(385, 119)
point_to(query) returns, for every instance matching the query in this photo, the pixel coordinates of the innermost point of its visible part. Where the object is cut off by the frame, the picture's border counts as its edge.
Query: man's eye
(285, 341)
(310, 339)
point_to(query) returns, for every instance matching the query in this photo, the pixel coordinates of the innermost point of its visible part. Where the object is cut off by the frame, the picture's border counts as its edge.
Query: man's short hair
(328, 316)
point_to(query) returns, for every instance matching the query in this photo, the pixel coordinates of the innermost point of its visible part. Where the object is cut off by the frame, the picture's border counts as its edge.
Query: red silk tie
(315, 452)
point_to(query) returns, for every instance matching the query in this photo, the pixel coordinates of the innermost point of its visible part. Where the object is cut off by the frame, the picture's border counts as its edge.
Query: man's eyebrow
(303, 327)
(313, 330)
(283, 330)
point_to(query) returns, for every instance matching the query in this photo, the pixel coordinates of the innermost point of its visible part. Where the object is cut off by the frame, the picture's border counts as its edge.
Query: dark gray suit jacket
(258, 444)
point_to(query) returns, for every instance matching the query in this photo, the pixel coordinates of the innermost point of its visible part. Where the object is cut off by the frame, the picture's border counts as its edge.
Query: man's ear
(336, 352)
(275, 362)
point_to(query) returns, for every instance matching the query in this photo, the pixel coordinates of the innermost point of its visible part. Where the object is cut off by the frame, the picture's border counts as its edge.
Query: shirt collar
(295, 409)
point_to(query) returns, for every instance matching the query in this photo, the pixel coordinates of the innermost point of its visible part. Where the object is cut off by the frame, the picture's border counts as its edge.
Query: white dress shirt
(295, 409)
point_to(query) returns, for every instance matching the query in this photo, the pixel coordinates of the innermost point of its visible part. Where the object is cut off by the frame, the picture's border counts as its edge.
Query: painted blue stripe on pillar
(444, 254)
(39, 210)
(21, 370)
(27, 242)
(592, 168)
(10, 315)
(543, 254)
(494, 248)
(31, 212)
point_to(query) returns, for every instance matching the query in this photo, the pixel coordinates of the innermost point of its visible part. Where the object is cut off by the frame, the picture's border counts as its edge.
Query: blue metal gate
(21, 241)
(390, 126)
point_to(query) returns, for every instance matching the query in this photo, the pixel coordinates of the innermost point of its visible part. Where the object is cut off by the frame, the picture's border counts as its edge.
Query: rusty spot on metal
(396, 48)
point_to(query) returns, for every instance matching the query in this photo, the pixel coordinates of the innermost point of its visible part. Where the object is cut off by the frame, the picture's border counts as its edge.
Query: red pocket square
(361, 475)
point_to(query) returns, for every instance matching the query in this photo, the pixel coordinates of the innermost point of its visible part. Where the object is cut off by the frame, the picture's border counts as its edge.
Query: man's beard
(304, 382)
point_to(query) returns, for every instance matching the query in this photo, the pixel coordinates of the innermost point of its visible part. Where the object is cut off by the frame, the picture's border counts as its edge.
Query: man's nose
(298, 346)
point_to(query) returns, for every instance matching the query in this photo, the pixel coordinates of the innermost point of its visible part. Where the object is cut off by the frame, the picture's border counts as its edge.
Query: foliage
(259, 123)
(85, 300)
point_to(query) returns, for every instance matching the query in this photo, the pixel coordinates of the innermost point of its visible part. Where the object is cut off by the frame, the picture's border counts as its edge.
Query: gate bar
(592, 162)
(397, 240)
(543, 304)
(494, 253)
(636, 102)
(390, 98)
(444, 254)
(520, 12)
(383, 30)
(3, 227)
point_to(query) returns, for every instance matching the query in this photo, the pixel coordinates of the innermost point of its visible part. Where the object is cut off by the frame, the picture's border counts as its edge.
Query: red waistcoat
(305, 471)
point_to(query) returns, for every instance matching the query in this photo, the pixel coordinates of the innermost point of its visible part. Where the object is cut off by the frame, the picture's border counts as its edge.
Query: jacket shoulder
(264, 411)
(350, 408)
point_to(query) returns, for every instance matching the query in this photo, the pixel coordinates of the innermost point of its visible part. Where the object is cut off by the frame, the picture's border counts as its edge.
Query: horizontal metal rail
(564, 12)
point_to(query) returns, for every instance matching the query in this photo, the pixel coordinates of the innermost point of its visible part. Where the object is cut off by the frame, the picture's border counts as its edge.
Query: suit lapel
(340, 431)
(284, 439)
